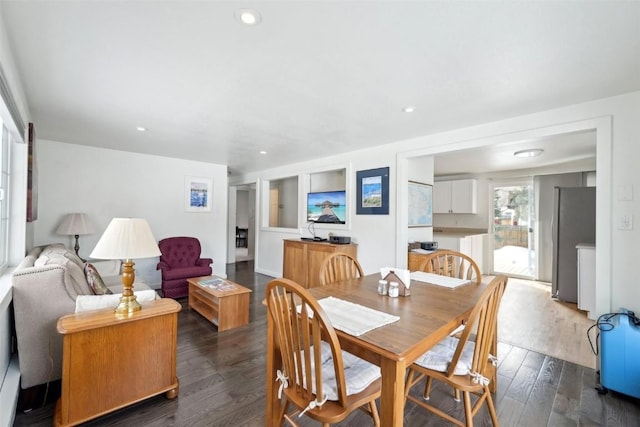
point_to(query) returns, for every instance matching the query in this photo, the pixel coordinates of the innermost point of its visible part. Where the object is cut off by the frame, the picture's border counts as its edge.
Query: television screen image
(327, 207)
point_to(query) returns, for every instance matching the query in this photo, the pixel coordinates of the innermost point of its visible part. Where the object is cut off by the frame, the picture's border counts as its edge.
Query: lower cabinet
(302, 260)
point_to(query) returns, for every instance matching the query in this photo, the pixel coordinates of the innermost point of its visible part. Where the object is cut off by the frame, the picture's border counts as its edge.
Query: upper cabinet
(458, 196)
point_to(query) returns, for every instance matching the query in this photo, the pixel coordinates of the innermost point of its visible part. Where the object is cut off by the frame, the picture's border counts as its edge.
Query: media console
(303, 259)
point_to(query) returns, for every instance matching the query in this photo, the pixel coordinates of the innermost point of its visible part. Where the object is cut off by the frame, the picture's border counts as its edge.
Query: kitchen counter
(471, 241)
(460, 231)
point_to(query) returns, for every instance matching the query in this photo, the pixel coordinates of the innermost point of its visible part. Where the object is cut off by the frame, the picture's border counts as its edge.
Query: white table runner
(354, 319)
(438, 279)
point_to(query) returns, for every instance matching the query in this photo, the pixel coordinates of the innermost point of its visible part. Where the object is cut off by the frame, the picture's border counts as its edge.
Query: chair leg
(456, 395)
(374, 413)
(283, 410)
(409, 382)
(427, 388)
(468, 414)
(491, 407)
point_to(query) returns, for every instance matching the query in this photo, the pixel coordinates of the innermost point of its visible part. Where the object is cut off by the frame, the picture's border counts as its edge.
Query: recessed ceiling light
(531, 152)
(141, 128)
(248, 16)
(409, 109)
(263, 152)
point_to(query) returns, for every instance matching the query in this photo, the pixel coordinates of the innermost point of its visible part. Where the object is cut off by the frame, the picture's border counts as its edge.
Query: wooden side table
(112, 361)
(225, 309)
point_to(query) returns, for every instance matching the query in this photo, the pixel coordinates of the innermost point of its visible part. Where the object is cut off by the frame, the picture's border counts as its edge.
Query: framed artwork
(420, 204)
(32, 177)
(198, 194)
(372, 195)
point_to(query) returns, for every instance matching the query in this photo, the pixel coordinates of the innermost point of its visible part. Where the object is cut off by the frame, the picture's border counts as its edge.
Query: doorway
(245, 223)
(513, 213)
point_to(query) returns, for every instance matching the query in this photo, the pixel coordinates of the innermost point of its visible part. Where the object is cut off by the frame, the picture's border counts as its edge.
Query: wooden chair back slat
(339, 266)
(453, 264)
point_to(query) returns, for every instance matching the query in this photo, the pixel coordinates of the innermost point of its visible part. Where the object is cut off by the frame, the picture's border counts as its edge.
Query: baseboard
(268, 272)
(9, 393)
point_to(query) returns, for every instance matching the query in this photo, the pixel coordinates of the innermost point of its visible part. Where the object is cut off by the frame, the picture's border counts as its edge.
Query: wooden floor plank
(539, 406)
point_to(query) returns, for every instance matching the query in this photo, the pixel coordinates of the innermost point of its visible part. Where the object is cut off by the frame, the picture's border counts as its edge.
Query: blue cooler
(620, 353)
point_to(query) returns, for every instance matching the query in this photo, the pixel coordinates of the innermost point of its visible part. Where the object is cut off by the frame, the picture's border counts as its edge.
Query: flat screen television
(327, 207)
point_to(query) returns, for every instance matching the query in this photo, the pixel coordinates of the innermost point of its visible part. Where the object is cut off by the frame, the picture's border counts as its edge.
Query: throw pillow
(75, 258)
(95, 281)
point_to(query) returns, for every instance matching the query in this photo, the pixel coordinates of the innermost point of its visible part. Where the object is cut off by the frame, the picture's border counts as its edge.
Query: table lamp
(126, 239)
(75, 224)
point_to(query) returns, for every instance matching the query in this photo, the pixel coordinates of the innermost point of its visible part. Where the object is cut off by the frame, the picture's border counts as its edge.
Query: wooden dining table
(428, 315)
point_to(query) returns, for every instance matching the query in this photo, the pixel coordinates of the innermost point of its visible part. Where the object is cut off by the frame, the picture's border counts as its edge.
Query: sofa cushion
(75, 258)
(95, 281)
(75, 279)
(55, 248)
(78, 279)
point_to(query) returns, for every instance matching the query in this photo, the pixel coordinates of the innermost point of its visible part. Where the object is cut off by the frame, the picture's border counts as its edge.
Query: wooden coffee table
(226, 309)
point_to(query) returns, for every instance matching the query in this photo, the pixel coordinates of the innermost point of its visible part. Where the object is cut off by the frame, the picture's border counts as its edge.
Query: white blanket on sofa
(95, 302)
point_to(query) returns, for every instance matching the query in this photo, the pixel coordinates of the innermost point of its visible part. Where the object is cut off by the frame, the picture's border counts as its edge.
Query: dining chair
(339, 266)
(317, 378)
(464, 363)
(453, 264)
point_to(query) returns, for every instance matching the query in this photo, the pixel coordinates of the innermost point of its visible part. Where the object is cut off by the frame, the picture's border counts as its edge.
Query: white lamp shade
(76, 223)
(126, 238)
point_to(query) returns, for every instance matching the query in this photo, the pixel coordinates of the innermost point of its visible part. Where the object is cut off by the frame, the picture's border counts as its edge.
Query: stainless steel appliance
(574, 222)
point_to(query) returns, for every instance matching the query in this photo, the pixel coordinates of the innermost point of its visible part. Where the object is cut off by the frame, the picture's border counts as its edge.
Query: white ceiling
(314, 77)
(575, 151)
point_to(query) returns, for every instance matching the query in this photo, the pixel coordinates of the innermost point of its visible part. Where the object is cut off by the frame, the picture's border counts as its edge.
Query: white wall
(242, 208)
(382, 238)
(109, 183)
(421, 170)
(372, 253)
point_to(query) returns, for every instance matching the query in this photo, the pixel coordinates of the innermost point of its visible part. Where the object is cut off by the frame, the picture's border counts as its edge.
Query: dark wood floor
(222, 383)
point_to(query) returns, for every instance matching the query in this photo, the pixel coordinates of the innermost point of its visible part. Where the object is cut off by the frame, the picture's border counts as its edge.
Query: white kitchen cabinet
(459, 196)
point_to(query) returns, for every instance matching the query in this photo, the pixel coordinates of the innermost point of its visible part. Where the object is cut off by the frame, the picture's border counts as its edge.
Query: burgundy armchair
(179, 261)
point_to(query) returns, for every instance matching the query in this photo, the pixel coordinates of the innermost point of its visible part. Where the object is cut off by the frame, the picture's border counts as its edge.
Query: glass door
(513, 214)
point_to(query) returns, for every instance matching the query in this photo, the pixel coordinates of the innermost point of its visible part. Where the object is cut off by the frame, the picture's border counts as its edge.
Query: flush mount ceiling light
(263, 152)
(409, 109)
(531, 152)
(141, 128)
(248, 16)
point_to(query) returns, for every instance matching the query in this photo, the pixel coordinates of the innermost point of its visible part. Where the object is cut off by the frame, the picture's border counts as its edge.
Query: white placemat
(354, 319)
(437, 279)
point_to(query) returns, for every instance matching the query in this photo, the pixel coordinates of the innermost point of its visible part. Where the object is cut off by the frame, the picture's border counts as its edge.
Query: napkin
(404, 275)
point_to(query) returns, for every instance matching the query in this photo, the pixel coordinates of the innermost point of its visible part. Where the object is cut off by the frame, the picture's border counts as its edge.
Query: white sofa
(48, 284)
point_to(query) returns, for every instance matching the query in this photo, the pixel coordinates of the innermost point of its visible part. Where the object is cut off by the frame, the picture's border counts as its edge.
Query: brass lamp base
(128, 302)
(128, 305)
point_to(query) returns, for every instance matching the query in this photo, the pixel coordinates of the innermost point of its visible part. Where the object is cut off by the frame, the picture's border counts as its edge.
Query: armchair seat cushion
(186, 272)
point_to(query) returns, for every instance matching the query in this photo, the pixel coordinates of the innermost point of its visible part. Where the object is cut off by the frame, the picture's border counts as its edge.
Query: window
(4, 197)
(283, 202)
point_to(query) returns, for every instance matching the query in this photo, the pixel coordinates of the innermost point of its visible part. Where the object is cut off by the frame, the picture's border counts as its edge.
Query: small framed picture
(372, 197)
(198, 194)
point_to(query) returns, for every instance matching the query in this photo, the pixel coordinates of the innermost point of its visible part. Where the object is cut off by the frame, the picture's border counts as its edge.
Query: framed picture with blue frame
(198, 194)
(372, 195)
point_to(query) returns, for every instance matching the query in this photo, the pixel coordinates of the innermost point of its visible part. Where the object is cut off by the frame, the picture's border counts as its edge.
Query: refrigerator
(574, 222)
